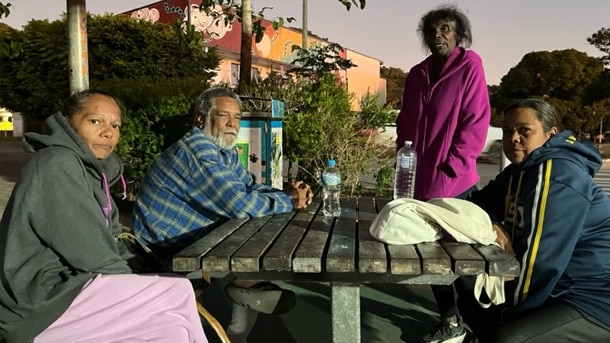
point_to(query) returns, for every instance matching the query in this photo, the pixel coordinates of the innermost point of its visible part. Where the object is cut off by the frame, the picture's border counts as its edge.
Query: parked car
(492, 152)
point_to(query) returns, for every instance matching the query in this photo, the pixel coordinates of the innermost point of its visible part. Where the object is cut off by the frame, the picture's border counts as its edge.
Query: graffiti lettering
(174, 9)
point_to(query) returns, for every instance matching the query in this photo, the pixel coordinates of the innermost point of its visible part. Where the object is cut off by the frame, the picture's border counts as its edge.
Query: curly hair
(449, 13)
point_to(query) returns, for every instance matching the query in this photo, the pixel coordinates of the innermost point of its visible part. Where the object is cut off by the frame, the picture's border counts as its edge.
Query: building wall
(365, 78)
(272, 53)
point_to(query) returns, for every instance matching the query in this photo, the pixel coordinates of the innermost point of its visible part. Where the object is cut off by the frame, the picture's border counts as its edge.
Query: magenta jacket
(447, 122)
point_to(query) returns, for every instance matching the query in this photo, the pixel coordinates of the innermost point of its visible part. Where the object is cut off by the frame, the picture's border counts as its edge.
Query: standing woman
(64, 276)
(445, 107)
(445, 113)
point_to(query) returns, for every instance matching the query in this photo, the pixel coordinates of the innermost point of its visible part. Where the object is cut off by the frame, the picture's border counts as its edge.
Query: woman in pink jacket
(445, 107)
(445, 113)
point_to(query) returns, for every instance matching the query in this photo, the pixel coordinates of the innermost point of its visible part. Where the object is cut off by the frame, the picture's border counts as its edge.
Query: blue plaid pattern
(194, 186)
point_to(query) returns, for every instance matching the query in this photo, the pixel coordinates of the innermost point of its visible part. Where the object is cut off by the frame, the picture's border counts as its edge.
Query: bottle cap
(330, 163)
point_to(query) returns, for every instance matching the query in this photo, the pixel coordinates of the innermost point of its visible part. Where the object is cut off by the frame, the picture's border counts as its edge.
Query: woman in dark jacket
(549, 211)
(64, 276)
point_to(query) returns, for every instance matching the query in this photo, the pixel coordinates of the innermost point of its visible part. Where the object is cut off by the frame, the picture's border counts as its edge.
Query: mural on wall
(213, 26)
(275, 44)
(146, 14)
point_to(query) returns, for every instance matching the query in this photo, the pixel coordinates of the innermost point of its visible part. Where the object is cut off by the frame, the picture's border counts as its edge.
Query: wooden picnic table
(305, 246)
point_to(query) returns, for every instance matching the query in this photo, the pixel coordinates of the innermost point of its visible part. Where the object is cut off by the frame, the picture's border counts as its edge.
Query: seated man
(197, 184)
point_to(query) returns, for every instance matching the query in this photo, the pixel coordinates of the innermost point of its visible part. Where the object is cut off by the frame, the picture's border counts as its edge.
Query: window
(255, 74)
(234, 74)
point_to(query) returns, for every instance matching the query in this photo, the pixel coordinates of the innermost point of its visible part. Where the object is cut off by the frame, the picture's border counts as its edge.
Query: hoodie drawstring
(124, 184)
(106, 209)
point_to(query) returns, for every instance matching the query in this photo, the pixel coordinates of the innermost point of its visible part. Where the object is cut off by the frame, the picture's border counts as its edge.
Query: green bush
(157, 113)
(320, 124)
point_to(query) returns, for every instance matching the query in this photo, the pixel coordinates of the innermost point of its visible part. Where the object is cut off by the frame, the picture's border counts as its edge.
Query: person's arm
(68, 218)
(550, 233)
(404, 120)
(229, 190)
(492, 197)
(473, 122)
(300, 193)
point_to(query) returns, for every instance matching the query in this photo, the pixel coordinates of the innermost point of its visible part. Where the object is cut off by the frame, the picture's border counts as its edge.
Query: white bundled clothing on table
(410, 221)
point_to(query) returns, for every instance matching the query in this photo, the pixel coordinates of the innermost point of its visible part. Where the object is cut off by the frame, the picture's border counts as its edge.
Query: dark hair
(205, 101)
(547, 115)
(76, 102)
(449, 13)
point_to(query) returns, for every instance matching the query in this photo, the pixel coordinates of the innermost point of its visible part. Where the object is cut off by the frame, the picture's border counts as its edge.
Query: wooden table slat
(218, 259)
(248, 257)
(381, 202)
(341, 255)
(309, 255)
(404, 260)
(498, 262)
(189, 259)
(279, 257)
(372, 254)
(435, 259)
(466, 260)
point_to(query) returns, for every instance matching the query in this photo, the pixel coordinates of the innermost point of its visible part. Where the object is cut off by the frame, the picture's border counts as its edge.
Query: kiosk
(259, 142)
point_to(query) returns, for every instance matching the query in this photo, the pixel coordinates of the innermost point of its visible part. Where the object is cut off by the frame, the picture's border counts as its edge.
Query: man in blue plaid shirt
(197, 184)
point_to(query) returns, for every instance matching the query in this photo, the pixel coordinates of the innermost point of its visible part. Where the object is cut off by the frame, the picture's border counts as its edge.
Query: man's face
(98, 123)
(441, 37)
(522, 133)
(223, 122)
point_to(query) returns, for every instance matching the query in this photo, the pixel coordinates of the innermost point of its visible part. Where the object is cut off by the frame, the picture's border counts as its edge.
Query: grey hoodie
(56, 231)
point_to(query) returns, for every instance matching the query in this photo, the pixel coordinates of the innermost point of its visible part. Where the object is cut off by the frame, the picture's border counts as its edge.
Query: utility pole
(304, 34)
(78, 54)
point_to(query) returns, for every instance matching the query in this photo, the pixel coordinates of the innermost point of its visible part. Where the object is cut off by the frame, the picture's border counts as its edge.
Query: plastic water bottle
(404, 180)
(331, 189)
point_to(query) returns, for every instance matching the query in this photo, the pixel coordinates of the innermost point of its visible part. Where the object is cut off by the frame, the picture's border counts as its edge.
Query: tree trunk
(246, 43)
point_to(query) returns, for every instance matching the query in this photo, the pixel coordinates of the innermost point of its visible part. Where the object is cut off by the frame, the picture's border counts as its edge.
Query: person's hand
(301, 194)
(503, 239)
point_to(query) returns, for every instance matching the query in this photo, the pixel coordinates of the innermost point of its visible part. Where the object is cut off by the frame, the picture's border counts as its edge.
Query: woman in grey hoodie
(64, 276)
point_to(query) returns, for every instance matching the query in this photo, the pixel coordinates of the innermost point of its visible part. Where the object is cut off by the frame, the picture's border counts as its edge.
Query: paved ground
(390, 313)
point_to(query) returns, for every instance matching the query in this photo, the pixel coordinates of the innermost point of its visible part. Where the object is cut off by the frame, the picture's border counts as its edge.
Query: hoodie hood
(63, 135)
(565, 146)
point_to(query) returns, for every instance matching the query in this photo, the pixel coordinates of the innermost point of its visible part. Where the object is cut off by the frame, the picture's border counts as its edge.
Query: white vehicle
(492, 152)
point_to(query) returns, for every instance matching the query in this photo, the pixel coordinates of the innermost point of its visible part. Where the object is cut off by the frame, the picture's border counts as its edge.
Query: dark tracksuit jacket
(559, 222)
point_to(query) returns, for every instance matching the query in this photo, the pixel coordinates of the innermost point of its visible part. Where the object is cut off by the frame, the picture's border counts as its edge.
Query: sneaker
(446, 332)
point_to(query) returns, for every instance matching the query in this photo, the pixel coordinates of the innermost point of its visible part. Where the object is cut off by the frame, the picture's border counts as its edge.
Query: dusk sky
(504, 31)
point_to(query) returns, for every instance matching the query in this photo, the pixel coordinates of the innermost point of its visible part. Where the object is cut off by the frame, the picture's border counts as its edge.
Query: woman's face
(522, 133)
(441, 37)
(98, 124)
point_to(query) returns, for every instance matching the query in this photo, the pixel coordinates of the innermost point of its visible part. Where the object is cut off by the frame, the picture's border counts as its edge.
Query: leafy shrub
(158, 113)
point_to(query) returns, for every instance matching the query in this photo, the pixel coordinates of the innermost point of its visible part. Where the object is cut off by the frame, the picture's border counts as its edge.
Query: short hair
(449, 13)
(205, 101)
(76, 102)
(545, 112)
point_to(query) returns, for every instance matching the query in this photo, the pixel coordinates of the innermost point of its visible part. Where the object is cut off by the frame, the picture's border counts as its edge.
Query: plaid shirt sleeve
(193, 187)
(226, 188)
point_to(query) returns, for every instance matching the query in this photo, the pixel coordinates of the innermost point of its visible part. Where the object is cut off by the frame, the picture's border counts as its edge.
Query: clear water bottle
(404, 180)
(331, 189)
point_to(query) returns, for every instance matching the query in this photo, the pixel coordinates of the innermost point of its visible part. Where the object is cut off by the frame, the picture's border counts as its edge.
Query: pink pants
(130, 308)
